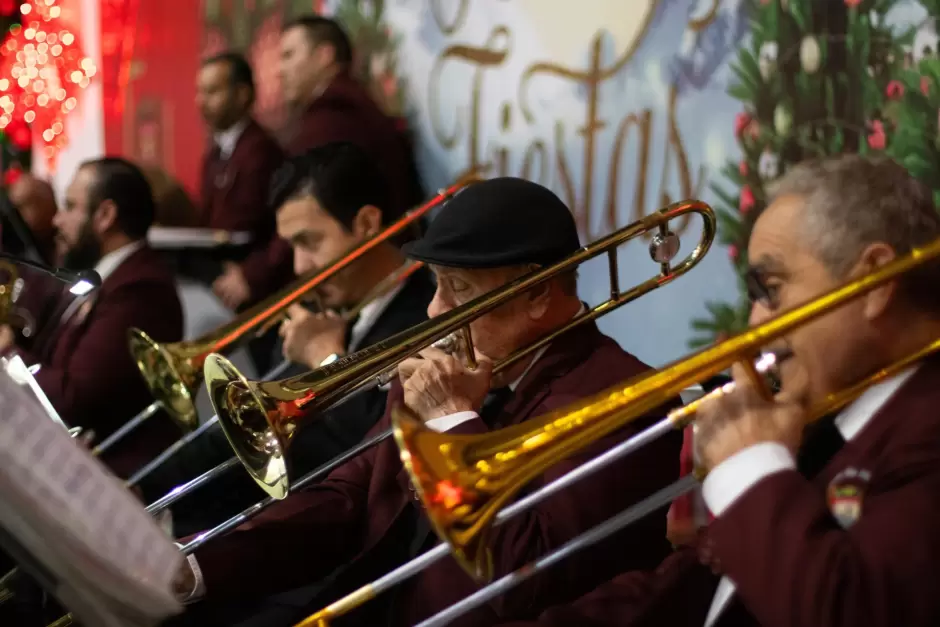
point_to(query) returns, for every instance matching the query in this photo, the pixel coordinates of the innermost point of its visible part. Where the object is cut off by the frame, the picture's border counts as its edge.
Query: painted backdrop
(620, 107)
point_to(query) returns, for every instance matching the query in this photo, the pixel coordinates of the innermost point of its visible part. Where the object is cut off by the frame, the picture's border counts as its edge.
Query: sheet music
(112, 563)
(166, 237)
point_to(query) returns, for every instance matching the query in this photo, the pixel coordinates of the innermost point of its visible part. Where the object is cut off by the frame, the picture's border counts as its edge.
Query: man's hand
(231, 286)
(438, 384)
(744, 418)
(309, 338)
(7, 338)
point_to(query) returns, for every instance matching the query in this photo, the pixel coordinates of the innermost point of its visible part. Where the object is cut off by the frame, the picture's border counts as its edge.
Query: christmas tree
(912, 114)
(816, 80)
(376, 62)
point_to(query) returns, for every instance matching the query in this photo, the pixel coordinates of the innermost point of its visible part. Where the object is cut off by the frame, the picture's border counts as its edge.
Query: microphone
(80, 282)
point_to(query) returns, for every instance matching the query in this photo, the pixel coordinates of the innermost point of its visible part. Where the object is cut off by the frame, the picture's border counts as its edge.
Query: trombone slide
(127, 427)
(652, 503)
(644, 508)
(676, 419)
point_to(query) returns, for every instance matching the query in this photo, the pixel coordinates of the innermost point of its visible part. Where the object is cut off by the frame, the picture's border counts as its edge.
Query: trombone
(173, 371)
(486, 471)
(377, 364)
(260, 418)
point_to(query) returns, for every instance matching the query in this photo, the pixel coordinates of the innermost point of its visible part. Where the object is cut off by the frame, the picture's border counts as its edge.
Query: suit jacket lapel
(910, 399)
(915, 396)
(561, 356)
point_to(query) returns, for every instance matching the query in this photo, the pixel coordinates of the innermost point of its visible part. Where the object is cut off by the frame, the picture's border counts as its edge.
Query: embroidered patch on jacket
(845, 494)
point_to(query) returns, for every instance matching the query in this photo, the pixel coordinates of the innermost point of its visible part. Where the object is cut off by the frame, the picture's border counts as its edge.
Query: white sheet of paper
(112, 563)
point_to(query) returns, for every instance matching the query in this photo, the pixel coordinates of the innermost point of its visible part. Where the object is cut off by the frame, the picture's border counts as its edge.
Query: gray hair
(854, 201)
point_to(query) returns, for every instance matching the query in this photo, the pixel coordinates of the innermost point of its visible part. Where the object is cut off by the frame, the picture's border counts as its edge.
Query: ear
(325, 55)
(368, 221)
(539, 297)
(105, 217)
(877, 301)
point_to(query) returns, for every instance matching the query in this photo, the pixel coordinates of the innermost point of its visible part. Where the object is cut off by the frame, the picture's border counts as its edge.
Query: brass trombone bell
(260, 418)
(174, 371)
(464, 480)
(652, 503)
(11, 284)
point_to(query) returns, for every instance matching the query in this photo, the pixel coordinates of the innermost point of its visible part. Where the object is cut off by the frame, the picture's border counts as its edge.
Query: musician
(34, 200)
(331, 105)
(34, 203)
(834, 524)
(365, 519)
(330, 201)
(87, 370)
(236, 177)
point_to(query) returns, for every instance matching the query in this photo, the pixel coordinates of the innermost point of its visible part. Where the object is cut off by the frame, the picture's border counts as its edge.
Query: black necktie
(349, 328)
(821, 441)
(493, 405)
(215, 155)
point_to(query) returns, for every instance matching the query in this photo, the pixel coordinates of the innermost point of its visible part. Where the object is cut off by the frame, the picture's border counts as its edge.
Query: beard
(85, 253)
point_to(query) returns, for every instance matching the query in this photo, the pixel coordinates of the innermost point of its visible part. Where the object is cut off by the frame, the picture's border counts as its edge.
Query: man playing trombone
(835, 523)
(329, 201)
(365, 518)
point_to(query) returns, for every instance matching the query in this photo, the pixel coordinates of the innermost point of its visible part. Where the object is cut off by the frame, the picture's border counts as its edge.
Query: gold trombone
(260, 418)
(173, 371)
(487, 471)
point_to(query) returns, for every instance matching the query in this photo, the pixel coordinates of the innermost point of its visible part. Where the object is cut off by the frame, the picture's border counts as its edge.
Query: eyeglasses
(758, 291)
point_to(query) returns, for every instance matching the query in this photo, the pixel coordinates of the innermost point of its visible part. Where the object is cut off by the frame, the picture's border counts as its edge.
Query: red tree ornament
(42, 72)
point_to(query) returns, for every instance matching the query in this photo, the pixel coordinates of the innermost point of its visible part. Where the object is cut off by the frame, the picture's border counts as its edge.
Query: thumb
(484, 362)
(297, 311)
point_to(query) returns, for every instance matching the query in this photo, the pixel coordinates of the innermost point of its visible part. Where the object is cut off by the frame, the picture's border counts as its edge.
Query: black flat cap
(498, 222)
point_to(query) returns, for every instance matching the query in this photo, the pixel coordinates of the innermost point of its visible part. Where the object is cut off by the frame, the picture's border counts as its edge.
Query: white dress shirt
(739, 473)
(110, 262)
(227, 140)
(369, 315)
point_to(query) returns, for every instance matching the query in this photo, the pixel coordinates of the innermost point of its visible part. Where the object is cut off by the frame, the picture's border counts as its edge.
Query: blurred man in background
(236, 176)
(316, 55)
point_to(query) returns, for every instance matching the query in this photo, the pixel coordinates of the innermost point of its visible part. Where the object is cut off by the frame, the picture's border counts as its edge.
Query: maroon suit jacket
(345, 112)
(792, 563)
(343, 519)
(87, 370)
(235, 195)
